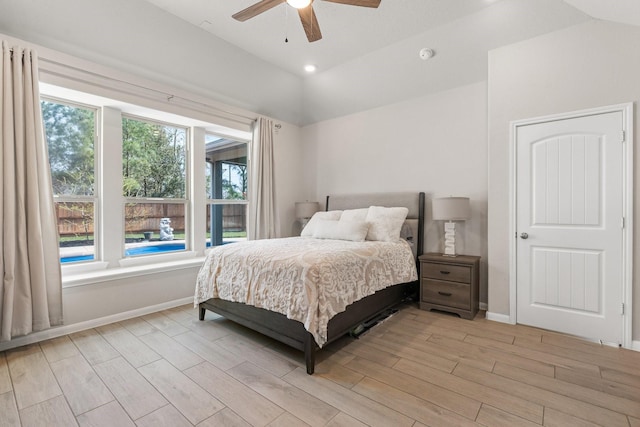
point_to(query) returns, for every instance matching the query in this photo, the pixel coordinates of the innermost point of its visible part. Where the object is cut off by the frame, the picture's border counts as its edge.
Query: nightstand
(450, 283)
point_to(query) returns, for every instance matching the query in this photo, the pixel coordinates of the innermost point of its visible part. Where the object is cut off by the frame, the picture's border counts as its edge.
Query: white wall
(289, 170)
(436, 144)
(86, 303)
(589, 65)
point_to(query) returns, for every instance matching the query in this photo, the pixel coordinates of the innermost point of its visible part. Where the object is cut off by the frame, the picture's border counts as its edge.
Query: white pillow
(307, 231)
(354, 231)
(354, 214)
(385, 223)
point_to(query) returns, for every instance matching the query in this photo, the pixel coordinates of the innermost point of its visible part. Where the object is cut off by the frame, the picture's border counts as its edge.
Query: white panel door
(569, 205)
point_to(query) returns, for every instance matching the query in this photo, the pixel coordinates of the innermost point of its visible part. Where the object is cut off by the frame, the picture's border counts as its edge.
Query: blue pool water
(76, 258)
(147, 250)
(142, 250)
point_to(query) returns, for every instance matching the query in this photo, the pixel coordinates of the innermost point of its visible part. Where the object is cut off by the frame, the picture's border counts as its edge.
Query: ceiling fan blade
(363, 3)
(310, 23)
(256, 9)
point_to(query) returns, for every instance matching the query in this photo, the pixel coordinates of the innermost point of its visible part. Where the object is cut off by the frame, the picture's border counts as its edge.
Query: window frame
(96, 198)
(185, 201)
(215, 201)
(109, 262)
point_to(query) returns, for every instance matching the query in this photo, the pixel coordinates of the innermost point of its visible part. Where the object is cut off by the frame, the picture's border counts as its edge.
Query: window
(70, 131)
(154, 184)
(226, 186)
(124, 188)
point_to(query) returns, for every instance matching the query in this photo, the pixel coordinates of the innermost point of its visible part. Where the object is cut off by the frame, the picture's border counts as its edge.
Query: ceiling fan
(305, 10)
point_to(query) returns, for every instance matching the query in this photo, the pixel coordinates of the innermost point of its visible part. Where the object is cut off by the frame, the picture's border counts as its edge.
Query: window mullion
(197, 188)
(112, 208)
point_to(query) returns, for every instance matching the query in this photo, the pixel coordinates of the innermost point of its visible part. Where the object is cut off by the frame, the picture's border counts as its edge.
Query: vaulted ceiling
(367, 58)
(351, 32)
(348, 31)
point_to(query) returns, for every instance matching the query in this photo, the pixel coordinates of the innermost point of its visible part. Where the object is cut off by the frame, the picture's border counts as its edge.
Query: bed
(344, 316)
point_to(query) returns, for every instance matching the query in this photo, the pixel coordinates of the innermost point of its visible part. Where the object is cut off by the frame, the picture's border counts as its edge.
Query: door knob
(524, 236)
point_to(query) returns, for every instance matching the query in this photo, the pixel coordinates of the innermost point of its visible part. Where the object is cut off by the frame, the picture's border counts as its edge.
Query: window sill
(136, 261)
(126, 271)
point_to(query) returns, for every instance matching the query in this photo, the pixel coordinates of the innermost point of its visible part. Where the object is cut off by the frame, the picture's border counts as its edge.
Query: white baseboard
(635, 345)
(497, 317)
(59, 331)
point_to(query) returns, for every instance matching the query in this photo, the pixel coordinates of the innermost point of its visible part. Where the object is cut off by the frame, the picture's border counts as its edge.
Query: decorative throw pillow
(307, 231)
(385, 223)
(355, 231)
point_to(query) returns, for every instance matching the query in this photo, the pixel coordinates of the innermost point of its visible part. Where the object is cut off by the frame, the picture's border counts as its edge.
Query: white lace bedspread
(308, 280)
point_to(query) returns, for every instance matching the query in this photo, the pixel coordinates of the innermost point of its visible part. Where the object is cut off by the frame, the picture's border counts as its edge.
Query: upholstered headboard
(413, 201)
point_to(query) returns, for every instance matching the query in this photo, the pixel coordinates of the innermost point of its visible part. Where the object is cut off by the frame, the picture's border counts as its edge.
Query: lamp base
(450, 239)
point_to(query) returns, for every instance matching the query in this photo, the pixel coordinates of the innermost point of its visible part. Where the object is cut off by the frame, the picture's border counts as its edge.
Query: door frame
(627, 195)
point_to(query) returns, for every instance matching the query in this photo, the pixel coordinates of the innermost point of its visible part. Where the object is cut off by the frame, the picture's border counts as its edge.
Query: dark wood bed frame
(293, 333)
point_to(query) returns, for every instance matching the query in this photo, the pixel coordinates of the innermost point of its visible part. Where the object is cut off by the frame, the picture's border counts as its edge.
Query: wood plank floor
(417, 368)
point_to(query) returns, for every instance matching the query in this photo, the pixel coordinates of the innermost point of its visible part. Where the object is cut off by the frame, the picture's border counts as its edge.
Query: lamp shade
(451, 208)
(306, 209)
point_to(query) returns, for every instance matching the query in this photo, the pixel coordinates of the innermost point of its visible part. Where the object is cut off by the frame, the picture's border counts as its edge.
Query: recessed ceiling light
(310, 68)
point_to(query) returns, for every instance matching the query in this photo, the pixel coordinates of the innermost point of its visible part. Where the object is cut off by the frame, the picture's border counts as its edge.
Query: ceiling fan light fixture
(305, 12)
(299, 4)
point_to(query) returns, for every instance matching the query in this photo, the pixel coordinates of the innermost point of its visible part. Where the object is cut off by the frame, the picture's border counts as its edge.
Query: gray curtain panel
(31, 288)
(263, 215)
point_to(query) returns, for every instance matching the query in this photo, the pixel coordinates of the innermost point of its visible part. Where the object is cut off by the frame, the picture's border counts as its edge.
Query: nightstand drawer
(454, 273)
(446, 293)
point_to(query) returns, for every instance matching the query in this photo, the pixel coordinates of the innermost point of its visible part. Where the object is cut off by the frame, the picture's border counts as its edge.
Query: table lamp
(450, 209)
(305, 210)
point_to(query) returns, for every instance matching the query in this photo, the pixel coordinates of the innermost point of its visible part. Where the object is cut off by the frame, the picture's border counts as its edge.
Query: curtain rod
(168, 96)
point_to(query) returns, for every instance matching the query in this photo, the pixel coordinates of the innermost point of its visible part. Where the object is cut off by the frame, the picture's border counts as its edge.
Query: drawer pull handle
(445, 294)
(444, 272)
